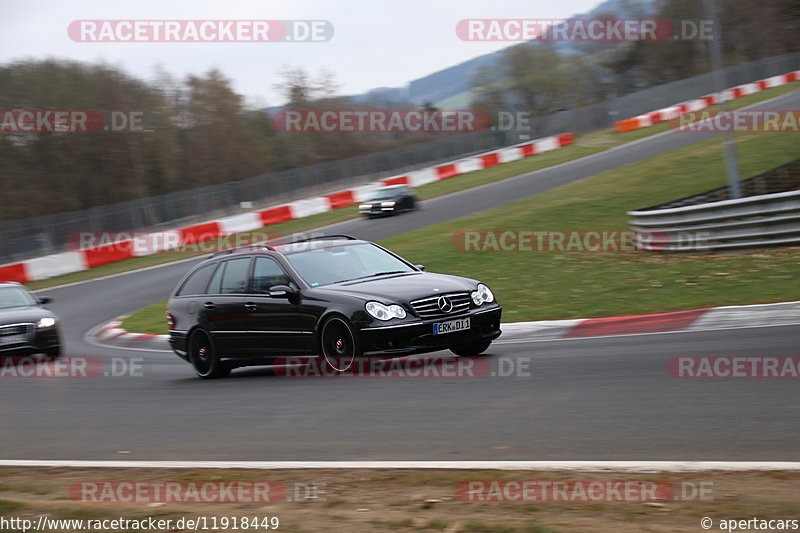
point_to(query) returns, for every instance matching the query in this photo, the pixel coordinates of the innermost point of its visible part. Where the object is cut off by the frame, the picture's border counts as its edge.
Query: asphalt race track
(581, 399)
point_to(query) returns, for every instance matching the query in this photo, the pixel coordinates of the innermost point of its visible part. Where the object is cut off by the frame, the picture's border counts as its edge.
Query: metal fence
(37, 236)
(21, 239)
(605, 114)
(769, 215)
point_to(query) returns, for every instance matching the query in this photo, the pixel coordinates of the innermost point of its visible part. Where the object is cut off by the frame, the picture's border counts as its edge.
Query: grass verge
(585, 145)
(547, 285)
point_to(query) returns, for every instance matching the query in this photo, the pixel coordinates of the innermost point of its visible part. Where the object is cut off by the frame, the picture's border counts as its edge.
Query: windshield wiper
(386, 273)
(374, 275)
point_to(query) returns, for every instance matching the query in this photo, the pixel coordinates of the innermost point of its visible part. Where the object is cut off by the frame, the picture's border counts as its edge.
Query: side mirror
(281, 291)
(420, 267)
(44, 299)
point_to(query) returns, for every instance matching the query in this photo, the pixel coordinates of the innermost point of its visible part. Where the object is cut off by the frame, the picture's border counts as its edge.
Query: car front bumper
(38, 340)
(377, 211)
(417, 337)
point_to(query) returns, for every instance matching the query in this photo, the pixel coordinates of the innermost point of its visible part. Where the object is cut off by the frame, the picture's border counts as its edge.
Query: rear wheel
(472, 348)
(338, 344)
(204, 358)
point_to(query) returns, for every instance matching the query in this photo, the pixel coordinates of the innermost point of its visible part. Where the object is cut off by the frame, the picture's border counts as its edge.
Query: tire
(204, 358)
(338, 344)
(53, 353)
(473, 348)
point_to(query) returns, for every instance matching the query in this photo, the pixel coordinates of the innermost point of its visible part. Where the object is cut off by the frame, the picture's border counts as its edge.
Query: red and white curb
(74, 261)
(113, 331)
(689, 106)
(738, 316)
(577, 466)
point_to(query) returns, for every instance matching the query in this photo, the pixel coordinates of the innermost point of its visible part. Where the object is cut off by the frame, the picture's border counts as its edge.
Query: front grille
(16, 329)
(429, 307)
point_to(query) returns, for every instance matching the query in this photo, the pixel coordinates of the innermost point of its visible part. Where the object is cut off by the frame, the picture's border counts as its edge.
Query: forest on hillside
(199, 131)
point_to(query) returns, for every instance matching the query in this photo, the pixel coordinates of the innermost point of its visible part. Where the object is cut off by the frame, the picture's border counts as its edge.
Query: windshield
(383, 194)
(344, 263)
(15, 297)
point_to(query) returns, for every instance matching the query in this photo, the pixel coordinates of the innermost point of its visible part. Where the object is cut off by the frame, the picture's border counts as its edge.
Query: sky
(375, 44)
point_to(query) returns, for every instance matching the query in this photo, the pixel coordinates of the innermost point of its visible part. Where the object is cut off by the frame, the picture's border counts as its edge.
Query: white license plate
(450, 327)
(13, 339)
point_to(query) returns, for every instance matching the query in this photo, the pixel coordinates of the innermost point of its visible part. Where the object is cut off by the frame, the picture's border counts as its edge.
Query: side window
(197, 283)
(213, 287)
(234, 279)
(267, 273)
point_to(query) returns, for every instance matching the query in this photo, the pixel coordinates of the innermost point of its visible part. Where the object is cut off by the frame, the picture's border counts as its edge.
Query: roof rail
(253, 246)
(320, 238)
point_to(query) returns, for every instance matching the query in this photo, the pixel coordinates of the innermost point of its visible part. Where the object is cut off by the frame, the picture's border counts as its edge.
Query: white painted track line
(585, 466)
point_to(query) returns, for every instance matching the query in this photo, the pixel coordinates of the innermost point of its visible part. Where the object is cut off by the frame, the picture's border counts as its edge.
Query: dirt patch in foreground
(397, 500)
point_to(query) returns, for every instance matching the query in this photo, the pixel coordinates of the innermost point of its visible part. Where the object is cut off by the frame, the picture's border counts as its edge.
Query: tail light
(170, 321)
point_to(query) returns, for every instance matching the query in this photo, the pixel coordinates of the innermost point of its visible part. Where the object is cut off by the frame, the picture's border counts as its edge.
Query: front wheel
(338, 344)
(471, 348)
(204, 358)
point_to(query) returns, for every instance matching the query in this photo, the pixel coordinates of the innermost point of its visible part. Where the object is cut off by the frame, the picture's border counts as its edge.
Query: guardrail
(752, 222)
(118, 246)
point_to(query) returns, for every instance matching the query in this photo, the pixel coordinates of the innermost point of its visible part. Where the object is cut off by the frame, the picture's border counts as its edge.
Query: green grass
(150, 319)
(585, 145)
(545, 285)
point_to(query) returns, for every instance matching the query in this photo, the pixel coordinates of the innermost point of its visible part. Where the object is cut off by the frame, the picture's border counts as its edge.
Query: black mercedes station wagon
(389, 201)
(333, 297)
(26, 327)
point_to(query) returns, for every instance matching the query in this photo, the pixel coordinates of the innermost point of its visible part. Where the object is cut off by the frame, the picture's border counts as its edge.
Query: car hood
(17, 315)
(402, 287)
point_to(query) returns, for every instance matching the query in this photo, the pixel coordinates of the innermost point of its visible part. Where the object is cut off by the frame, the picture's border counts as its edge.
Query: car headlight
(482, 295)
(46, 322)
(365, 206)
(387, 204)
(385, 312)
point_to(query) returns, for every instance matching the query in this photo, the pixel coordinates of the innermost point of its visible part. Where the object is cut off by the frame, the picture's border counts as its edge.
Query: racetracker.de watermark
(69, 367)
(715, 120)
(733, 367)
(69, 121)
(582, 30)
(175, 241)
(579, 241)
(200, 31)
(581, 491)
(412, 367)
(172, 492)
(380, 121)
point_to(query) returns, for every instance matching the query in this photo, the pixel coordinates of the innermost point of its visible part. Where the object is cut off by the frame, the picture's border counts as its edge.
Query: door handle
(209, 305)
(250, 306)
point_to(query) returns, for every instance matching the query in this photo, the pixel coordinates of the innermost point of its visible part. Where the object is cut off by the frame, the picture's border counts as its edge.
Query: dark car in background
(331, 297)
(389, 201)
(26, 326)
